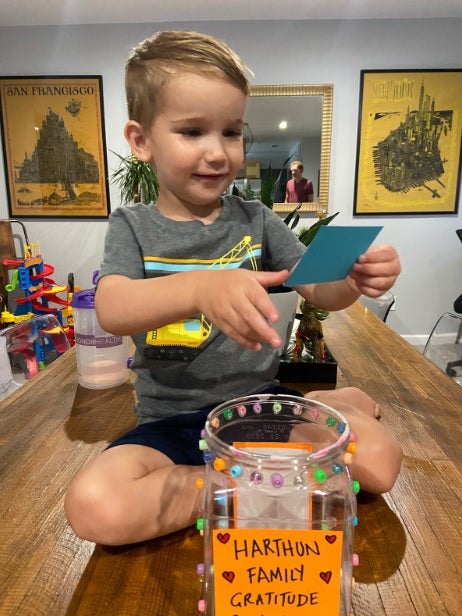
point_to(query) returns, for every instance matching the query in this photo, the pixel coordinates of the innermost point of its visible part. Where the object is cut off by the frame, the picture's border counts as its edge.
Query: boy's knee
(90, 512)
(346, 399)
(395, 456)
(380, 466)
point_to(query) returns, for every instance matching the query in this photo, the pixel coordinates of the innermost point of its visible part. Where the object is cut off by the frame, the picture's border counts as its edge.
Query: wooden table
(409, 541)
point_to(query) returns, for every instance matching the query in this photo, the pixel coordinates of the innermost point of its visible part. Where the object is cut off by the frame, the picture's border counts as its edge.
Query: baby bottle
(101, 357)
(278, 509)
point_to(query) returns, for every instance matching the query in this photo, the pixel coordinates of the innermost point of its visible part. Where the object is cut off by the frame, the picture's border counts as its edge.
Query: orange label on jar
(274, 572)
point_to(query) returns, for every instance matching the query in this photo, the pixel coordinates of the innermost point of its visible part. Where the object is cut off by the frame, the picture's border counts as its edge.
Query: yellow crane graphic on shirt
(191, 333)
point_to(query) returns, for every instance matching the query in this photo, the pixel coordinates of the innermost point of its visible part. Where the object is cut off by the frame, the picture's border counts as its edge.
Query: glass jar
(278, 507)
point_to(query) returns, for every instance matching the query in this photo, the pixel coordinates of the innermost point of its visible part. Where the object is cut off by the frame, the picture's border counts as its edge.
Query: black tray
(308, 372)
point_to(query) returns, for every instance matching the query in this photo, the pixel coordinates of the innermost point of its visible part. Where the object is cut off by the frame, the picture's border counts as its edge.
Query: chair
(448, 325)
(443, 346)
(456, 363)
(380, 306)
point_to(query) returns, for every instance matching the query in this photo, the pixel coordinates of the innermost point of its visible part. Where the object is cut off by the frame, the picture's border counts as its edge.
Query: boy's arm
(373, 273)
(235, 301)
(128, 306)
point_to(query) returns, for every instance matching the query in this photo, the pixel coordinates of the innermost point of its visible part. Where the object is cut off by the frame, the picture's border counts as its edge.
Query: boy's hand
(375, 271)
(236, 301)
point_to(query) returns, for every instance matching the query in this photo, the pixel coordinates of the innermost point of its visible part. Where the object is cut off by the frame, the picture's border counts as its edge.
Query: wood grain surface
(409, 541)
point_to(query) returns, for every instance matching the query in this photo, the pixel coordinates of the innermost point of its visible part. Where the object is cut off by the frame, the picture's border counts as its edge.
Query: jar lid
(84, 299)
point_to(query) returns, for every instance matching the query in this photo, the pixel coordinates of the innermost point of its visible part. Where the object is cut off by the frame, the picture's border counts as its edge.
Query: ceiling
(270, 144)
(62, 12)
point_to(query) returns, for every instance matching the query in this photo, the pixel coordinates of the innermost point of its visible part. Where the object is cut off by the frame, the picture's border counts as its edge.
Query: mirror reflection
(287, 123)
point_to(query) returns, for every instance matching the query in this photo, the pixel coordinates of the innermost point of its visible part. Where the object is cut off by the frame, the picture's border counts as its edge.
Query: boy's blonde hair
(166, 53)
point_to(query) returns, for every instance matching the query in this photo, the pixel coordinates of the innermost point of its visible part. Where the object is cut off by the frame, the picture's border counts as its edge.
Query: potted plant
(136, 180)
(308, 340)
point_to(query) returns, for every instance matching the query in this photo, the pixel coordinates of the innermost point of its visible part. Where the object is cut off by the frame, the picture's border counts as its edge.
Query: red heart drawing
(223, 537)
(331, 538)
(325, 576)
(228, 575)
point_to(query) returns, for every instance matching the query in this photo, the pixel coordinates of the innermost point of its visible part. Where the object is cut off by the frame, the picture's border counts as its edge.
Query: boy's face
(196, 142)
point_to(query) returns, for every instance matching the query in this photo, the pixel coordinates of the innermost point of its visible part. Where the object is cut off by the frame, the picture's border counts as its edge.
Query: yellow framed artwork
(409, 142)
(54, 147)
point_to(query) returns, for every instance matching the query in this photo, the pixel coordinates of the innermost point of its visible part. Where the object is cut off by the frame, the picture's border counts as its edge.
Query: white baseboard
(416, 339)
(421, 339)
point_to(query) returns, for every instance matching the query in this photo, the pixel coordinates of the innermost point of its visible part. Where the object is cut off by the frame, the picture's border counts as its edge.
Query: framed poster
(54, 147)
(409, 142)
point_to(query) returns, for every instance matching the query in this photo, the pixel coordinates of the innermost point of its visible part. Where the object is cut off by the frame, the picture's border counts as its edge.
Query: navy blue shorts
(177, 437)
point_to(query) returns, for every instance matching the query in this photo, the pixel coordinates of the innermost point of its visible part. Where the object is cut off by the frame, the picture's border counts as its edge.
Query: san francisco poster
(54, 147)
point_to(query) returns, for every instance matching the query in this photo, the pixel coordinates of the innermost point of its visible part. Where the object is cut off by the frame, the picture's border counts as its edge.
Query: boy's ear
(135, 135)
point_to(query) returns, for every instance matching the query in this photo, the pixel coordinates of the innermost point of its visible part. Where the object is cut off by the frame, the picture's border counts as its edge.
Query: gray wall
(327, 52)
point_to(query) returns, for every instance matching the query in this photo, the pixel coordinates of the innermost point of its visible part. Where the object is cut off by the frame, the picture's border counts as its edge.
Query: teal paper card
(332, 253)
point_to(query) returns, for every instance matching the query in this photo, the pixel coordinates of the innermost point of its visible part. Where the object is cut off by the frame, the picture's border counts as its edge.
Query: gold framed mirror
(307, 110)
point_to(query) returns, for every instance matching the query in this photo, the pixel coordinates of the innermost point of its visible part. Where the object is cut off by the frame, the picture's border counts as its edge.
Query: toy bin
(29, 346)
(278, 509)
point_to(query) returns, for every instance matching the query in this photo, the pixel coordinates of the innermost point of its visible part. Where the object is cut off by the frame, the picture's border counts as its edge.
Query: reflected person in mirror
(195, 266)
(298, 189)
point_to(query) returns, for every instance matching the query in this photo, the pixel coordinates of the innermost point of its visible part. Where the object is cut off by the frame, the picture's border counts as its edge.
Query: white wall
(327, 52)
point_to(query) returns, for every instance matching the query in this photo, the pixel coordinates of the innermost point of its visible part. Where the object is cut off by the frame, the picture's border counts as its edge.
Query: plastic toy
(34, 343)
(32, 276)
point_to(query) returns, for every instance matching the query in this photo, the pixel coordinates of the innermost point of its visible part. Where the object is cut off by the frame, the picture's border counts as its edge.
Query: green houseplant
(136, 180)
(307, 234)
(272, 187)
(267, 188)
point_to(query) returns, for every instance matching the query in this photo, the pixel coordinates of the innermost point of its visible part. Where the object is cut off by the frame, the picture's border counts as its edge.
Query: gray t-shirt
(191, 364)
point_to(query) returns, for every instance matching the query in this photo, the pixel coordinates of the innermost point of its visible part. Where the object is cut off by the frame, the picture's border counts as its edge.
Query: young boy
(195, 267)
